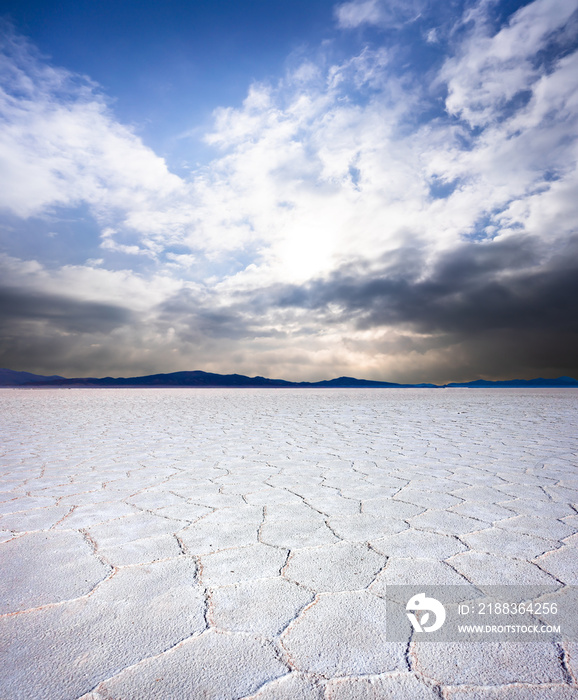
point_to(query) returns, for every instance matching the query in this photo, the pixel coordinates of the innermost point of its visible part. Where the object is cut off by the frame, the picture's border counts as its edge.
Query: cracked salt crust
(27, 561)
(181, 544)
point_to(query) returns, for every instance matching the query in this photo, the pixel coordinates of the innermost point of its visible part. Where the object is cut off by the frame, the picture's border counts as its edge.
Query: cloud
(60, 145)
(501, 307)
(378, 12)
(65, 314)
(514, 284)
(358, 217)
(493, 70)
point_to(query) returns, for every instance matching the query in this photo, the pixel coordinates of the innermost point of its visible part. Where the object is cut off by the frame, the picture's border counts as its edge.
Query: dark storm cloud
(497, 309)
(186, 312)
(51, 333)
(194, 319)
(60, 312)
(511, 303)
(471, 289)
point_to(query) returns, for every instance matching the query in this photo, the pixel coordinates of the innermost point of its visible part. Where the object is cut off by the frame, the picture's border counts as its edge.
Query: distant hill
(540, 382)
(197, 378)
(352, 383)
(9, 377)
(191, 379)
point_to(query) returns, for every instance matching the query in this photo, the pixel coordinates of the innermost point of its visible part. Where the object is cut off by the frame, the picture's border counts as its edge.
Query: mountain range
(12, 378)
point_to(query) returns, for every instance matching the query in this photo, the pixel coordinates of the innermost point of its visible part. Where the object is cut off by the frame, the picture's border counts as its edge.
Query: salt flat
(178, 543)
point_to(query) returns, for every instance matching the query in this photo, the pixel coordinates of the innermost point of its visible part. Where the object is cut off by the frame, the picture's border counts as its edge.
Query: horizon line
(55, 380)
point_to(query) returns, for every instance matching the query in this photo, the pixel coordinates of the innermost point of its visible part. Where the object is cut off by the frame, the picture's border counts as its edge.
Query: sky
(298, 189)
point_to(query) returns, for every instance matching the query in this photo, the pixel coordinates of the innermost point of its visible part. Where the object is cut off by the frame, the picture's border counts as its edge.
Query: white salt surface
(184, 544)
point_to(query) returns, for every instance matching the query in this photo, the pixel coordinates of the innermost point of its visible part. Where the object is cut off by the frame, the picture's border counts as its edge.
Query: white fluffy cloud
(320, 178)
(317, 169)
(378, 12)
(492, 69)
(61, 146)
